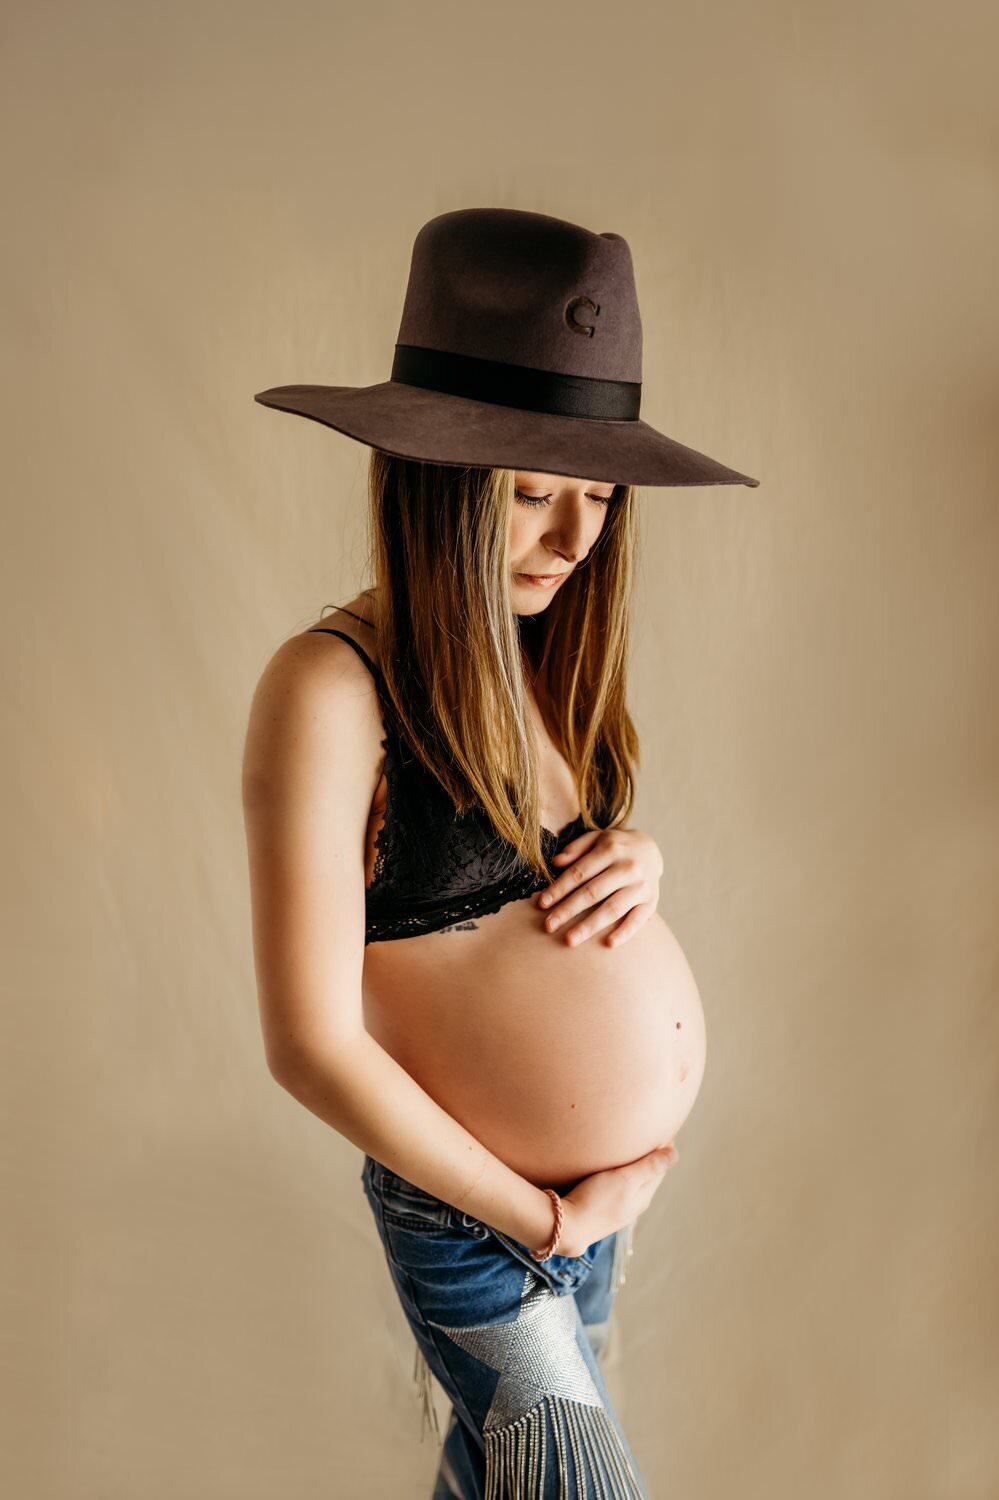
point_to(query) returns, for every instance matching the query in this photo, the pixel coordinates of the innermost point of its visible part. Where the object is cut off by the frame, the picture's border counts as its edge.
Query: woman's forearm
(360, 1090)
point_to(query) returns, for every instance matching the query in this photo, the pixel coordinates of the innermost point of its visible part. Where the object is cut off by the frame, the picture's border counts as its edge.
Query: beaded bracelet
(559, 1212)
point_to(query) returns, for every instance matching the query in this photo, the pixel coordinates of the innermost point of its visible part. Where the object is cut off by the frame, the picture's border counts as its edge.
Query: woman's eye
(544, 499)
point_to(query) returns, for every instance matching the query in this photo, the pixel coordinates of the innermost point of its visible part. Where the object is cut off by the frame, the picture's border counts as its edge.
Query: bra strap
(341, 611)
(327, 630)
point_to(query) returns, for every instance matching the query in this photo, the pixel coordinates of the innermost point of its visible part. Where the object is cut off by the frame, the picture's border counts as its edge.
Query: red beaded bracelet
(559, 1213)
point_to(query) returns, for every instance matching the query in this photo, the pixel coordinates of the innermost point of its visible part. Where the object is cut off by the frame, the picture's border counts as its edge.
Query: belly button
(684, 1070)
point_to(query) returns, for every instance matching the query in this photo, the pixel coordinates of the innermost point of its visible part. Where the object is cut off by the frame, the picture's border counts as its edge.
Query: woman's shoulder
(315, 704)
(355, 619)
(309, 666)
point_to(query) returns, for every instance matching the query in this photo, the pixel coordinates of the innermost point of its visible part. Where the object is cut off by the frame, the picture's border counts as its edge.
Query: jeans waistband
(371, 1165)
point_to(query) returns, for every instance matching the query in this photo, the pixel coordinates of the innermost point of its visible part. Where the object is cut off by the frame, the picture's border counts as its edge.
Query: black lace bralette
(434, 866)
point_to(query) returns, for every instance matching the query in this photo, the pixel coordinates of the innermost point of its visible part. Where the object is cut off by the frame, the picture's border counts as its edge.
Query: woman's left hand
(615, 871)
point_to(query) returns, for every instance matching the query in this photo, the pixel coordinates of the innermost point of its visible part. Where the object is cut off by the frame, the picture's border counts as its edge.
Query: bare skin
(489, 1059)
(562, 1061)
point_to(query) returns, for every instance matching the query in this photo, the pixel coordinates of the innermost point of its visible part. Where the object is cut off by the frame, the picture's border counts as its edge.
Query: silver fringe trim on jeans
(624, 1249)
(543, 1375)
(422, 1375)
(517, 1457)
(520, 1444)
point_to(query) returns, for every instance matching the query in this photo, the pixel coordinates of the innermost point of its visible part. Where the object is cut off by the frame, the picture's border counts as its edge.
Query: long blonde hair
(453, 655)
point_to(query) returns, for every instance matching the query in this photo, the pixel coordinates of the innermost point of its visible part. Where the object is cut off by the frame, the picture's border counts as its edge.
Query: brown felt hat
(520, 347)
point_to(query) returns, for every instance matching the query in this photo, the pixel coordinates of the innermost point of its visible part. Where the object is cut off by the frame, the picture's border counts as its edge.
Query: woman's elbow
(296, 1062)
(289, 1061)
(279, 1064)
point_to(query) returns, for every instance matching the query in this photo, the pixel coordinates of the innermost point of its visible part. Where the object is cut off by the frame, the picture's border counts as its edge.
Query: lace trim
(384, 835)
(386, 925)
(383, 929)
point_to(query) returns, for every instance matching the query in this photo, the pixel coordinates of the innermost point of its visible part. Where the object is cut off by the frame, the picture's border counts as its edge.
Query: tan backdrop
(204, 200)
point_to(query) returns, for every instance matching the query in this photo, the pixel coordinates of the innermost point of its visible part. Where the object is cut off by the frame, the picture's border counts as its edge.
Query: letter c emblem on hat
(570, 310)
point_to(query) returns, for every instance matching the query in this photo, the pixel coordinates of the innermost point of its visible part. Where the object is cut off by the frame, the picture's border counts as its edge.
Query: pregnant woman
(459, 962)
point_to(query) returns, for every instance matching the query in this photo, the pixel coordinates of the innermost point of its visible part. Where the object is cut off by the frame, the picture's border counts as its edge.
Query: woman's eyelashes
(544, 499)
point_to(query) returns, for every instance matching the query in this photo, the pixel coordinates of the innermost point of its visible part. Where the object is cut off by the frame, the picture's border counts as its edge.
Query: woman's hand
(614, 870)
(606, 1201)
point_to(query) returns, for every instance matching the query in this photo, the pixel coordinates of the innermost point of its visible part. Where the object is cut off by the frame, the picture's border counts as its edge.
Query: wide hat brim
(431, 426)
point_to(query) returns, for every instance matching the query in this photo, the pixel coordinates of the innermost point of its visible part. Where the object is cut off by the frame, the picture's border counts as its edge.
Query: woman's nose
(568, 540)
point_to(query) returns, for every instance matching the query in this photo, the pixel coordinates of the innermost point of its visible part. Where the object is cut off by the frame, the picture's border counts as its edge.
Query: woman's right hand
(609, 1200)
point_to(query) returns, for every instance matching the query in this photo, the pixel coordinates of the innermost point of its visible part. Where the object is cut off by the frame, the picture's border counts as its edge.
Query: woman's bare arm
(361, 1091)
(310, 768)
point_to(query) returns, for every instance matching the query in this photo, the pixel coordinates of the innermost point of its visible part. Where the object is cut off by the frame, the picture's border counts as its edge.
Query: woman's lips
(542, 580)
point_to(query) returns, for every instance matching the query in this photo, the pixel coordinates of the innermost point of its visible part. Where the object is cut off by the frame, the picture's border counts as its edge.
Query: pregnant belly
(561, 1061)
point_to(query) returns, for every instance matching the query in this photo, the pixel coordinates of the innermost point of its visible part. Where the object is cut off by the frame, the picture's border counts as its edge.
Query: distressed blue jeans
(516, 1346)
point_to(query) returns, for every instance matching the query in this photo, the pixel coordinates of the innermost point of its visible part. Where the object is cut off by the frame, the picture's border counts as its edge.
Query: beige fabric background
(204, 200)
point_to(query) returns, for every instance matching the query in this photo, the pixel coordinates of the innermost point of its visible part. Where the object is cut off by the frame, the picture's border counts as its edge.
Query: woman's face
(554, 524)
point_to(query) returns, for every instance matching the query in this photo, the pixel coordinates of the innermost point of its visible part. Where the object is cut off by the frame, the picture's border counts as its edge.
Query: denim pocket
(563, 1273)
(409, 1205)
